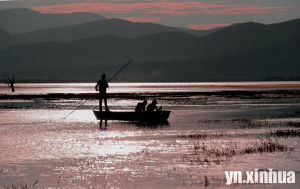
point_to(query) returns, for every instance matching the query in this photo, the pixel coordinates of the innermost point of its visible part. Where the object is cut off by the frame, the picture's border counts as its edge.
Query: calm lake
(206, 135)
(42, 88)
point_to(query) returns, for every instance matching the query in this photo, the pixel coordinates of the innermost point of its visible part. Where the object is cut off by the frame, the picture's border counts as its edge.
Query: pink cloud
(247, 10)
(205, 26)
(142, 19)
(170, 12)
(163, 7)
(172, 7)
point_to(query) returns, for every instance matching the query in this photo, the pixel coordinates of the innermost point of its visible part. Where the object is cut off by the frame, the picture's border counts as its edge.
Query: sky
(194, 14)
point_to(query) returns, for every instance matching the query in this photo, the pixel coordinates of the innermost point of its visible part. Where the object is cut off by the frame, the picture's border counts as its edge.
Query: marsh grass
(202, 135)
(243, 122)
(267, 145)
(286, 133)
(294, 124)
(212, 181)
(22, 186)
(192, 180)
(215, 134)
(204, 155)
(16, 186)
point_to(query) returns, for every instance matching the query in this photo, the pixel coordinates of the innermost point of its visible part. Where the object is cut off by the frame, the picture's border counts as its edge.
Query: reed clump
(294, 124)
(243, 122)
(203, 135)
(287, 133)
(204, 155)
(268, 145)
(22, 186)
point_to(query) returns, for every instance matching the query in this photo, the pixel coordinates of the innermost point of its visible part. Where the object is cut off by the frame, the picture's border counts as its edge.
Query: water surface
(41, 149)
(43, 88)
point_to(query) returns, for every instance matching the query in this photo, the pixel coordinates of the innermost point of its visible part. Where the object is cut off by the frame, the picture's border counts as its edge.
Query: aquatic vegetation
(207, 134)
(267, 145)
(294, 124)
(15, 186)
(206, 155)
(243, 122)
(202, 135)
(23, 186)
(287, 133)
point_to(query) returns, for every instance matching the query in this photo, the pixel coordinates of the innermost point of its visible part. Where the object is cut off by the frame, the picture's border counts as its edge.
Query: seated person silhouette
(141, 106)
(152, 107)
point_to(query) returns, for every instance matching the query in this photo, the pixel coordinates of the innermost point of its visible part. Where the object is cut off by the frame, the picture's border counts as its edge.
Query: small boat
(156, 116)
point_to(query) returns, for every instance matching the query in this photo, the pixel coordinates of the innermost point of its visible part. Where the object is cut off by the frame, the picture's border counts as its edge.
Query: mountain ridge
(23, 20)
(92, 29)
(246, 51)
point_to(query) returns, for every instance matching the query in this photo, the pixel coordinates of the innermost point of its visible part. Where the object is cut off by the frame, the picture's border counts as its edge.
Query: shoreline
(249, 94)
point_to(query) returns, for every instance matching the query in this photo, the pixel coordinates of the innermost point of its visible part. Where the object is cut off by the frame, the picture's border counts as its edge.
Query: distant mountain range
(26, 20)
(5, 39)
(80, 52)
(98, 28)
(93, 29)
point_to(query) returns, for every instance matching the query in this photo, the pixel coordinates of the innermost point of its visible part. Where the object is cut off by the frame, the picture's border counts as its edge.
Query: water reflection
(103, 124)
(38, 144)
(152, 125)
(44, 88)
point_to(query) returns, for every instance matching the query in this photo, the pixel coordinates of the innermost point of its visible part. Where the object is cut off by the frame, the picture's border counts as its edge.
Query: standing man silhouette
(101, 86)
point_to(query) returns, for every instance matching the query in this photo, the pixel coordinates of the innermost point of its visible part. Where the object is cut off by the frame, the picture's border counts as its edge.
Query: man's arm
(97, 87)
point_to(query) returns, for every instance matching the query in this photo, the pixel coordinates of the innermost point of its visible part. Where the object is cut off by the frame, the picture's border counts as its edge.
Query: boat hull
(156, 116)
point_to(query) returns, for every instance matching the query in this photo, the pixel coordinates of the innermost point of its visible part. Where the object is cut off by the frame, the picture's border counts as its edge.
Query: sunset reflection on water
(44, 88)
(37, 143)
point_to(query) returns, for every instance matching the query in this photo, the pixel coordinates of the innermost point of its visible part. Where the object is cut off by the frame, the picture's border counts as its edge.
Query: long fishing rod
(76, 108)
(108, 81)
(120, 70)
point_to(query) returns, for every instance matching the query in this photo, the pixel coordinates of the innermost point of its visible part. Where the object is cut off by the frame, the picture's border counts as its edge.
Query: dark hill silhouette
(5, 39)
(106, 49)
(290, 28)
(167, 46)
(26, 20)
(201, 33)
(239, 52)
(114, 26)
(247, 36)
